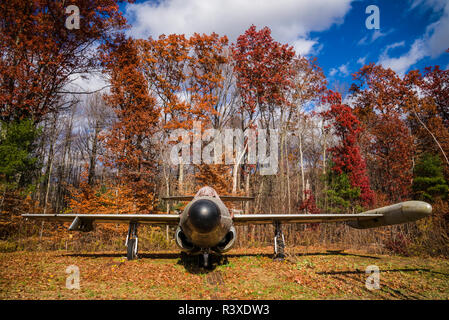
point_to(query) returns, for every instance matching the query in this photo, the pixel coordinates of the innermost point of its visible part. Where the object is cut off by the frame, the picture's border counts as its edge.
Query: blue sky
(413, 33)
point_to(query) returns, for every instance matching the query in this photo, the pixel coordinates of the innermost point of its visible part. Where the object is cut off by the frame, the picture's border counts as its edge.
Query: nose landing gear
(206, 258)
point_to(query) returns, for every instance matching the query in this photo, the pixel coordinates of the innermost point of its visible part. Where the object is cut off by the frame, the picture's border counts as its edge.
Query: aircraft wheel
(132, 250)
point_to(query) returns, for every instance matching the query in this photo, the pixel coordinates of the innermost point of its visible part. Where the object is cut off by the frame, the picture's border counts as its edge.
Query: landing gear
(205, 258)
(279, 243)
(132, 241)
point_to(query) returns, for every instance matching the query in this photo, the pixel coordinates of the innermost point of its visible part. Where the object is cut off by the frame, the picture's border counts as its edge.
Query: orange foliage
(39, 55)
(102, 199)
(216, 176)
(130, 142)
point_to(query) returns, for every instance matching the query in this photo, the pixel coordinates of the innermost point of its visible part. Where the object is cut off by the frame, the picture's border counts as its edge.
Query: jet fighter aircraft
(206, 225)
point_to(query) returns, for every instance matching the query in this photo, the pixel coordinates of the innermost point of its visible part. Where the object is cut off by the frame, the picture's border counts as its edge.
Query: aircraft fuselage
(205, 224)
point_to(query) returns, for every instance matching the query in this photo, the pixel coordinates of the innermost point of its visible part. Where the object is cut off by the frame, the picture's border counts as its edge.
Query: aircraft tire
(131, 253)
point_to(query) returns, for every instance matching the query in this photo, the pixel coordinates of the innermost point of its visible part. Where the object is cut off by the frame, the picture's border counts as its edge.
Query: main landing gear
(279, 242)
(132, 241)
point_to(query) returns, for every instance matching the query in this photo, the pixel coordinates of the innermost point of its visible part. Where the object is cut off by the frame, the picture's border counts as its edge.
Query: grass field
(312, 273)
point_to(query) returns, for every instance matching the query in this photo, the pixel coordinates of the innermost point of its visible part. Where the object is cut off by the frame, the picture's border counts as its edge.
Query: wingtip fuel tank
(403, 212)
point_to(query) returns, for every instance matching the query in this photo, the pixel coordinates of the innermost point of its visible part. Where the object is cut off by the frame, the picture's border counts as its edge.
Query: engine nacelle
(227, 243)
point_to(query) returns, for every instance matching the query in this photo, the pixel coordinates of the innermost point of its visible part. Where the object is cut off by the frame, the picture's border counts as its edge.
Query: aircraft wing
(398, 213)
(87, 219)
(223, 198)
(299, 218)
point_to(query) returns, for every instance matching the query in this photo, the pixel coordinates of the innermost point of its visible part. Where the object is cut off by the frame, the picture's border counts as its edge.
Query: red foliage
(309, 203)
(346, 155)
(263, 70)
(392, 150)
(380, 98)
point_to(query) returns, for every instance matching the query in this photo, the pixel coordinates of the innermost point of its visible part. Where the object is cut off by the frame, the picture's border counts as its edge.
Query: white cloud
(437, 35)
(394, 45)
(364, 40)
(304, 46)
(432, 44)
(341, 70)
(373, 36)
(377, 34)
(384, 54)
(403, 63)
(290, 21)
(88, 83)
(361, 60)
(435, 5)
(344, 69)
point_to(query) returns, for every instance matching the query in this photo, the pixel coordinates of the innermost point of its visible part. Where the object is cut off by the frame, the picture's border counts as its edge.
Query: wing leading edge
(240, 219)
(223, 198)
(398, 213)
(156, 219)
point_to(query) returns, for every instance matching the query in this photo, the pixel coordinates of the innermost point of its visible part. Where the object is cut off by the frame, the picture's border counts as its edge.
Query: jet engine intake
(227, 243)
(182, 242)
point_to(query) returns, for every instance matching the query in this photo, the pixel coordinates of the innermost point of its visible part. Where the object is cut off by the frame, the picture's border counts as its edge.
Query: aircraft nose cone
(204, 215)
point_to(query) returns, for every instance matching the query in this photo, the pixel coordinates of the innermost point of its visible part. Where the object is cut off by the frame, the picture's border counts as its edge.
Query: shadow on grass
(190, 260)
(237, 255)
(385, 270)
(335, 253)
(194, 263)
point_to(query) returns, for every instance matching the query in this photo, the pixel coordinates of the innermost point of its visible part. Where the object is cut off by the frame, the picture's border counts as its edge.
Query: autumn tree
(308, 86)
(263, 73)
(346, 156)
(379, 96)
(308, 205)
(435, 85)
(40, 56)
(103, 198)
(215, 176)
(426, 107)
(185, 74)
(39, 59)
(130, 141)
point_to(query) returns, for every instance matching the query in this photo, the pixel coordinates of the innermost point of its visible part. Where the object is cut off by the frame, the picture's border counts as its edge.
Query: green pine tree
(341, 195)
(17, 161)
(428, 181)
